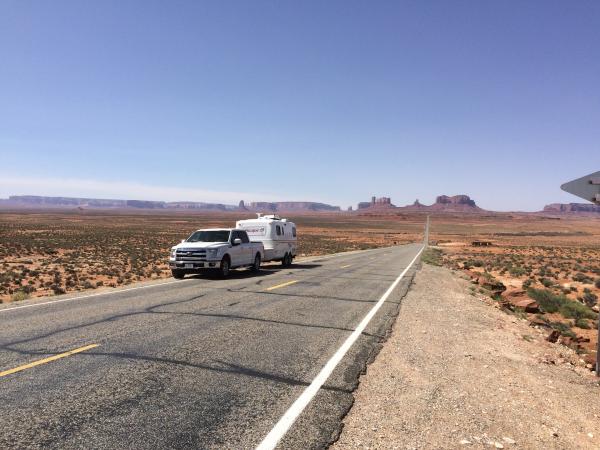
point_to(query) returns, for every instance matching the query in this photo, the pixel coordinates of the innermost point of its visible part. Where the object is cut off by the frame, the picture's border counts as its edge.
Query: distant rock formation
(573, 208)
(144, 204)
(292, 207)
(41, 201)
(381, 202)
(37, 201)
(201, 206)
(445, 203)
(455, 200)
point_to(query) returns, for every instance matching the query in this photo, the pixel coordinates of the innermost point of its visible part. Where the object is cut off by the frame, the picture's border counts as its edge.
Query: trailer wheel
(225, 267)
(287, 260)
(256, 266)
(178, 274)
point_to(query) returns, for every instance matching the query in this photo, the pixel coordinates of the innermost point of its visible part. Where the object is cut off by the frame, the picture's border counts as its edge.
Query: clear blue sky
(329, 101)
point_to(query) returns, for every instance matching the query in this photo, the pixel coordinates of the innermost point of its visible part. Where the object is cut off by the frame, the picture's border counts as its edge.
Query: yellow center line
(277, 286)
(47, 360)
(347, 265)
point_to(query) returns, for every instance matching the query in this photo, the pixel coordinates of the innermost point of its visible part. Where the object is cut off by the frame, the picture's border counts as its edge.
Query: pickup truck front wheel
(178, 274)
(225, 267)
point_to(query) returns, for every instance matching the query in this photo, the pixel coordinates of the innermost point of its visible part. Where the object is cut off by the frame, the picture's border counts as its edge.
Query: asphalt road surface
(197, 363)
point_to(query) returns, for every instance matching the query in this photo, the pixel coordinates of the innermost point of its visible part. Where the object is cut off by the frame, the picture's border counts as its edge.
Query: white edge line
(97, 294)
(290, 416)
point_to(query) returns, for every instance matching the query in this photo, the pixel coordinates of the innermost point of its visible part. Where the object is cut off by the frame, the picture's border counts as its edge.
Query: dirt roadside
(458, 373)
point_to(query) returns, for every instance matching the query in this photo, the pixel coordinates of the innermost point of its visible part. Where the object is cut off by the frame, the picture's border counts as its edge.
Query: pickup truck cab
(219, 249)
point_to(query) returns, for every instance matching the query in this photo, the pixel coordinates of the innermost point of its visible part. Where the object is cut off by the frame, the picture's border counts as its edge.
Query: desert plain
(545, 268)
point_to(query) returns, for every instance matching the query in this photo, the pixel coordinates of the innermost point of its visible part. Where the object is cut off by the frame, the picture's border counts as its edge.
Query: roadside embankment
(458, 373)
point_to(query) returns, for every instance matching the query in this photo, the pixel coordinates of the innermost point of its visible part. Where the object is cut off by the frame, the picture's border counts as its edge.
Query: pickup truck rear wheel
(256, 266)
(287, 260)
(178, 274)
(225, 267)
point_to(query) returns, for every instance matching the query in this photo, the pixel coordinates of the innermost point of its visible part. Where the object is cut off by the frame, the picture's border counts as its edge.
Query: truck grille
(190, 254)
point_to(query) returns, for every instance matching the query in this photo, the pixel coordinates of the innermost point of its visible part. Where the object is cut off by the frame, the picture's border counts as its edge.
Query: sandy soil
(458, 372)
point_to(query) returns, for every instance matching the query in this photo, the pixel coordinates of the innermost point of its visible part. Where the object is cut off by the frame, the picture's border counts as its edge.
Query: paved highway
(198, 363)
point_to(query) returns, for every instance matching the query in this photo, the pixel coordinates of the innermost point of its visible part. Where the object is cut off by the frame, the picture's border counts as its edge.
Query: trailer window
(294, 231)
(278, 230)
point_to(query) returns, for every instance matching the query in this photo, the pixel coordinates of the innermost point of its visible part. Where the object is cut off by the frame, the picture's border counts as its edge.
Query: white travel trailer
(277, 235)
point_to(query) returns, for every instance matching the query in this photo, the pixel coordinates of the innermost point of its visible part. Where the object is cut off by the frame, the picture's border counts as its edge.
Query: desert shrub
(582, 323)
(582, 278)
(432, 256)
(19, 295)
(564, 329)
(589, 298)
(548, 301)
(517, 271)
(28, 289)
(546, 282)
(575, 310)
(57, 289)
(597, 283)
(527, 284)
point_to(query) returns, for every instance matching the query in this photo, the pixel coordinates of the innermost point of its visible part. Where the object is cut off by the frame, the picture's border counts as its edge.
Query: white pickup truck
(219, 249)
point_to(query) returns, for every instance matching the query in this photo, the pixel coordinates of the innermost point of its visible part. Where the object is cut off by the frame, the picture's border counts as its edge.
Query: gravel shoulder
(456, 372)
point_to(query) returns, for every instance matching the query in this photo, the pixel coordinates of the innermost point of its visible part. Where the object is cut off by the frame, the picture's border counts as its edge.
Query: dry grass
(556, 259)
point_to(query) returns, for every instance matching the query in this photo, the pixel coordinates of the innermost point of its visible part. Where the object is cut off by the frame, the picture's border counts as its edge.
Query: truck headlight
(212, 252)
(173, 252)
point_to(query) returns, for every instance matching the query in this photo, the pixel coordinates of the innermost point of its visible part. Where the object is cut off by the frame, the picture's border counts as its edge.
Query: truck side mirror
(237, 241)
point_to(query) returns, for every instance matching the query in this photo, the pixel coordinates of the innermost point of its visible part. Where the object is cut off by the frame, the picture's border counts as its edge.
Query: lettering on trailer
(256, 231)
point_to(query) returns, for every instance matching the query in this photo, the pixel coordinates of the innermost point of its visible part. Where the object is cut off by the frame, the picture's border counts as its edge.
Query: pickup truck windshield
(209, 236)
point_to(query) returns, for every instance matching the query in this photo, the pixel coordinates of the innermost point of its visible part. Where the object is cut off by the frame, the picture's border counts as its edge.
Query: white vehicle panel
(277, 235)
